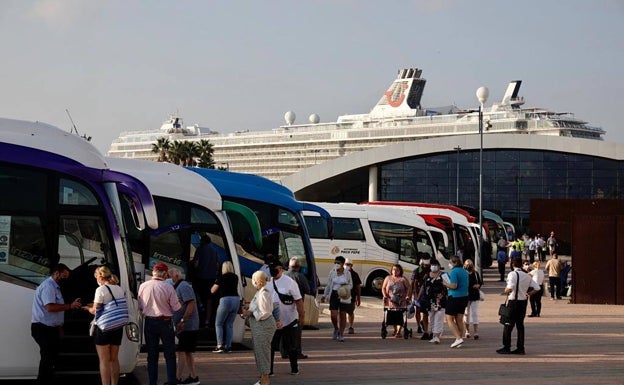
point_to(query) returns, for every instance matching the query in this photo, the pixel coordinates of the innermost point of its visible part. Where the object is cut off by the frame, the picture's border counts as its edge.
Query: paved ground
(568, 344)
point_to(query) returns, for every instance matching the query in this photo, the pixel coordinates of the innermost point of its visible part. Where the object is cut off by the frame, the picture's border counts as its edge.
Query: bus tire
(374, 282)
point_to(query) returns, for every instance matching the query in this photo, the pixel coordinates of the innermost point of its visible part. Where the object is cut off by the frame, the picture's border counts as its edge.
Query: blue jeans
(157, 330)
(224, 322)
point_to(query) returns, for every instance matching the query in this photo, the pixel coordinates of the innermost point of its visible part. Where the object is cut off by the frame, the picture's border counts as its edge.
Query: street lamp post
(482, 95)
(457, 181)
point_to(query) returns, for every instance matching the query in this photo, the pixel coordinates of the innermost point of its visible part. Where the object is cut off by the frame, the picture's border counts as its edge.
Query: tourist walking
(471, 314)
(262, 325)
(519, 286)
(433, 300)
(457, 287)
(537, 275)
(554, 267)
(356, 295)
(291, 315)
(226, 286)
(338, 307)
(158, 301)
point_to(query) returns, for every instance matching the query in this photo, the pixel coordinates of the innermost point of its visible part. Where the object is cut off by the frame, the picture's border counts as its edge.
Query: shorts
(456, 305)
(110, 337)
(349, 307)
(187, 341)
(336, 304)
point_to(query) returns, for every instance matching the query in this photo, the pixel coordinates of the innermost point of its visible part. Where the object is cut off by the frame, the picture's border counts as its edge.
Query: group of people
(276, 315)
(170, 308)
(438, 296)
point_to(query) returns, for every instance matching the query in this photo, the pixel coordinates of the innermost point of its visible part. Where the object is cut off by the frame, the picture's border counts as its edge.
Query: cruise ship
(397, 117)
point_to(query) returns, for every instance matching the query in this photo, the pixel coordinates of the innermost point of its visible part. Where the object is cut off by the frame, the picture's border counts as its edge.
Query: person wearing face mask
(47, 320)
(338, 277)
(457, 285)
(471, 315)
(291, 314)
(433, 301)
(262, 325)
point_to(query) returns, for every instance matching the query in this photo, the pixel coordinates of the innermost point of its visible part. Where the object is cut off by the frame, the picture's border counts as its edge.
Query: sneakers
(467, 335)
(340, 338)
(457, 342)
(434, 340)
(426, 336)
(294, 373)
(476, 336)
(335, 335)
(351, 331)
(503, 351)
(189, 381)
(219, 349)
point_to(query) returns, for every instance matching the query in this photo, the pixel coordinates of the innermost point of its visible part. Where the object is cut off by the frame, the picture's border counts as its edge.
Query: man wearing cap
(356, 294)
(291, 315)
(158, 301)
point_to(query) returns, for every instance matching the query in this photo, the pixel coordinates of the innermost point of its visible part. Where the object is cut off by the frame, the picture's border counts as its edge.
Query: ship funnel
(404, 94)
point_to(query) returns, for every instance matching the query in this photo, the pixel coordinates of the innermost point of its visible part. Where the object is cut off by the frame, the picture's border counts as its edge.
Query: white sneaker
(458, 341)
(434, 340)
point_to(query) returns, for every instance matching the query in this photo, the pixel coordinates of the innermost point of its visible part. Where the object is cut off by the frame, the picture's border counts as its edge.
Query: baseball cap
(348, 261)
(160, 267)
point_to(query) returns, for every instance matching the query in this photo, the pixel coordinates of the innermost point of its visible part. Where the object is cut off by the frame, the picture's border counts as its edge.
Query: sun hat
(344, 292)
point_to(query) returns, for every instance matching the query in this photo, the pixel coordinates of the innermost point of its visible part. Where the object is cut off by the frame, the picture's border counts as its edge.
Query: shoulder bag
(285, 298)
(504, 311)
(113, 314)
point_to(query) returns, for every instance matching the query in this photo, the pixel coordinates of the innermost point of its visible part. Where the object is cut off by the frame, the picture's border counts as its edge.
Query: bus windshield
(59, 204)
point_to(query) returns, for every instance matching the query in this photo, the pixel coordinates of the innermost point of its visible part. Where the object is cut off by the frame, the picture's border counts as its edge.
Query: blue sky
(120, 65)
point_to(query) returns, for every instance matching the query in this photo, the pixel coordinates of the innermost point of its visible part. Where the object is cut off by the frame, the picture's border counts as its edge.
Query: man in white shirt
(291, 315)
(519, 287)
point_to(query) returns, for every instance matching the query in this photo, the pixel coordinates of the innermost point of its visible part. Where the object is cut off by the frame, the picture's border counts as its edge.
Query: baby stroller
(395, 313)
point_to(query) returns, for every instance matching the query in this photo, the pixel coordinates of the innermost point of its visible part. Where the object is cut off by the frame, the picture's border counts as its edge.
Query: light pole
(457, 181)
(482, 95)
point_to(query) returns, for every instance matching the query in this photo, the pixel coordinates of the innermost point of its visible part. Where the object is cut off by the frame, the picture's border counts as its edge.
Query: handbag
(113, 314)
(504, 311)
(481, 295)
(286, 299)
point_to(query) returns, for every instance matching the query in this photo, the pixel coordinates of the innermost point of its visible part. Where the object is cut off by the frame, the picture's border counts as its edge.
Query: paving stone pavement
(568, 344)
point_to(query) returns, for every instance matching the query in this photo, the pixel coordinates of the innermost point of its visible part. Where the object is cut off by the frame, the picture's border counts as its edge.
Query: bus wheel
(375, 281)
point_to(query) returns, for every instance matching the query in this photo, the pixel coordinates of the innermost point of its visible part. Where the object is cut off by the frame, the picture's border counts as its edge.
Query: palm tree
(162, 147)
(190, 151)
(205, 154)
(175, 152)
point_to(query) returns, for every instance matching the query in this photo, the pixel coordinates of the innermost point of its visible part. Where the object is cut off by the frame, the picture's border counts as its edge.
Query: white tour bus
(459, 226)
(59, 203)
(374, 237)
(187, 205)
